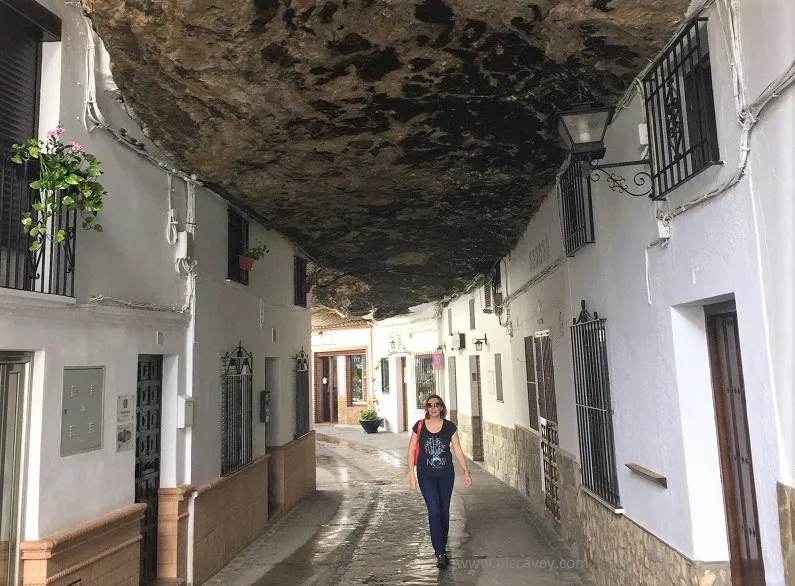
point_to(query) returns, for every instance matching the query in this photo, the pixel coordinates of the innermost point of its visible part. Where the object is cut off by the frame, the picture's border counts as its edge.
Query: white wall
(228, 313)
(131, 261)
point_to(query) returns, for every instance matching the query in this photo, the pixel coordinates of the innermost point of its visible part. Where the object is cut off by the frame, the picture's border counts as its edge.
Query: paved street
(363, 526)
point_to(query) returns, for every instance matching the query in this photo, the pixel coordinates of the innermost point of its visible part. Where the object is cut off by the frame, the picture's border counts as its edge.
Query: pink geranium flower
(53, 133)
(76, 147)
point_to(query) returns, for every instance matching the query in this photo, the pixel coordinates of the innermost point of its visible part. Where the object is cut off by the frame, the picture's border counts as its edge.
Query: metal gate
(147, 458)
(548, 417)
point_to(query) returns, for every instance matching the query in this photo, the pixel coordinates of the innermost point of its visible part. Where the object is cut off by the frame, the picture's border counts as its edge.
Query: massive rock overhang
(403, 145)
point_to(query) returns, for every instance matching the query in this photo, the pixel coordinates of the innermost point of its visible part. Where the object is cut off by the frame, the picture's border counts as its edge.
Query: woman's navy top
(436, 457)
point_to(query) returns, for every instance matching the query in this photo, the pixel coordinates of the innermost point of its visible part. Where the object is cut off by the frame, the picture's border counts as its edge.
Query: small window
(385, 376)
(576, 213)
(237, 232)
(471, 314)
(355, 368)
(680, 110)
(449, 321)
(299, 281)
(498, 376)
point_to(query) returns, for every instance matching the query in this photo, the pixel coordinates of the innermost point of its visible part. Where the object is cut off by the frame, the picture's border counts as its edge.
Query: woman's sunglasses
(429, 405)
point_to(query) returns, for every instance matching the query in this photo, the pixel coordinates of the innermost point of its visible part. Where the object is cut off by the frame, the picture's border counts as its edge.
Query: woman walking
(430, 450)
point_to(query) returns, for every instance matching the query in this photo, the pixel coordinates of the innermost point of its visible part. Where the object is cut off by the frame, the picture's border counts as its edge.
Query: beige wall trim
(103, 549)
(173, 514)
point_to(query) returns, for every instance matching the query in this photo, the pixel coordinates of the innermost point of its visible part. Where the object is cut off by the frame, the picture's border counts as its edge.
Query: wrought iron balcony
(51, 268)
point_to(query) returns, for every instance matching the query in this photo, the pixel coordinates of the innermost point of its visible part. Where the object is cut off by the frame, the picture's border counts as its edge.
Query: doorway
(149, 392)
(475, 392)
(329, 395)
(14, 377)
(734, 445)
(404, 391)
(548, 420)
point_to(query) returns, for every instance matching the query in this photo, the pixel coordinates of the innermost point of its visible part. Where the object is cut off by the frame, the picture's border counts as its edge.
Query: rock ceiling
(404, 144)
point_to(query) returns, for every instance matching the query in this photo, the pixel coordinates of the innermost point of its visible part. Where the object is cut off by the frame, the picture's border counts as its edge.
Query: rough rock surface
(406, 144)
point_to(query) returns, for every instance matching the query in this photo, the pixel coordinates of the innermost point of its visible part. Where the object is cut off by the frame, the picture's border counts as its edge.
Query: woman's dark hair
(442, 411)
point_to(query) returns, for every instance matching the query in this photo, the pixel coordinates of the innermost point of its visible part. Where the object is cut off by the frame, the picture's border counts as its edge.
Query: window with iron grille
(51, 268)
(237, 246)
(356, 375)
(236, 410)
(680, 110)
(425, 378)
(594, 410)
(385, 376)
(299, 281)
(576, 212)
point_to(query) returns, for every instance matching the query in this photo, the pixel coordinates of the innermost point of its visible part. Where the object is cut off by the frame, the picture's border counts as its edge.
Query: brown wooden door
(737, 472)
(404, 389)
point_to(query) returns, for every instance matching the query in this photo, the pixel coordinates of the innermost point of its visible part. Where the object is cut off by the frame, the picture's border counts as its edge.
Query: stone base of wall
(350, 414)
(470, 434)
(293, 472)
(499, 452)
(786, 518)
(172, 533)
(614, 549)
(619, 551)
(103, 551)
(229, 513)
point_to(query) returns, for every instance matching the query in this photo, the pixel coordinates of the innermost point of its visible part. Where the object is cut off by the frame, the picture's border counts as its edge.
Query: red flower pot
(246, 262)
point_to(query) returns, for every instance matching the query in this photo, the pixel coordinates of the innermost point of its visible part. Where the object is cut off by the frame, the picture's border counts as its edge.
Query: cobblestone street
(364, 526)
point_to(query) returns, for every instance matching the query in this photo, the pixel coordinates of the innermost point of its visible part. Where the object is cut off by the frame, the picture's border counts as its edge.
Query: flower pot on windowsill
(371, 425)
(246, 262)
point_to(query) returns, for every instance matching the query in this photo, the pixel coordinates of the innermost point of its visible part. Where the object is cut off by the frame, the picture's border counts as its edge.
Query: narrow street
(363, 526)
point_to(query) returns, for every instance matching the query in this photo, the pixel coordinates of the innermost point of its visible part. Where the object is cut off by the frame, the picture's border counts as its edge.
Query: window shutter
(20, 65)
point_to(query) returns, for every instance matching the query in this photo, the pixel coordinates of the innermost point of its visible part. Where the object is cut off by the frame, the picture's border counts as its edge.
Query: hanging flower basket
(246, 262)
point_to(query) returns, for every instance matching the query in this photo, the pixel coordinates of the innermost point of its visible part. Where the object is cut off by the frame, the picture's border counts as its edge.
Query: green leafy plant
(258, 251)
(369, 414)
(67, 181)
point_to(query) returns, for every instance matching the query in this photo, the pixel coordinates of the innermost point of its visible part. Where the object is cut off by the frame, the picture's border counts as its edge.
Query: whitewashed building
(149, 376)
(634, 374)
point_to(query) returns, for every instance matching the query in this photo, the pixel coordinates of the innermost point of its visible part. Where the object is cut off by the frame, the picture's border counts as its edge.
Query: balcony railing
(51, 268)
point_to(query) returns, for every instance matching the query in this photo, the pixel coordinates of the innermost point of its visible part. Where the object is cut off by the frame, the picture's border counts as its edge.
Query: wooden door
(737, 472)
(404, 390)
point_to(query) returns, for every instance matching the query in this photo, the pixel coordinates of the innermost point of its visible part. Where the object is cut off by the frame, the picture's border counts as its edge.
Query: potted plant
(65, 177)
(369, 419)
(248, 260)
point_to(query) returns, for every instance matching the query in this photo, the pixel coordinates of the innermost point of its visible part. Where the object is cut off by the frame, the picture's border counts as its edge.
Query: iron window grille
(576, 209)
(680, 110)
(425, 378)
(385, 376)
(236, 410)
(237, 246)
(301, 394)
(594, 410)
(299, 281)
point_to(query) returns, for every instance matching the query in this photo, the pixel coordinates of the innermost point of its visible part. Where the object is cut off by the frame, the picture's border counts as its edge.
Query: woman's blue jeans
(437, 491)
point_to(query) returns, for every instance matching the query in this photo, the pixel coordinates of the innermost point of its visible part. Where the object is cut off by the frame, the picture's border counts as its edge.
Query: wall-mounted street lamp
(479, 343)
(583, 130)
(301, 361)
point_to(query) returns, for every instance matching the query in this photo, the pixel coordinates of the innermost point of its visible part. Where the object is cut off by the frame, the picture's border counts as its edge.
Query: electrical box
(81, 409)
(184, 245)
(184, 411)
